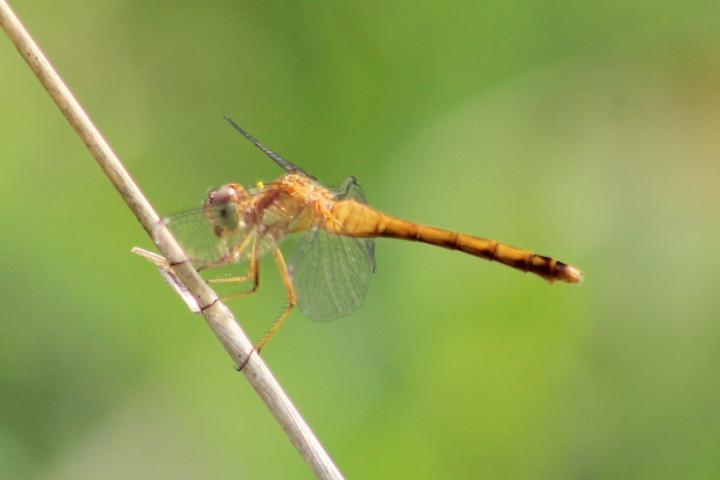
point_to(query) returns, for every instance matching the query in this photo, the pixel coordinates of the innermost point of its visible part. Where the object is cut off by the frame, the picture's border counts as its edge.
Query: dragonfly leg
(253, 274)
(292, 301)
(232, 256)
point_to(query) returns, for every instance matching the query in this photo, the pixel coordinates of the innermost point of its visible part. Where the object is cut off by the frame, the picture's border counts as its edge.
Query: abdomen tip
(568, 273)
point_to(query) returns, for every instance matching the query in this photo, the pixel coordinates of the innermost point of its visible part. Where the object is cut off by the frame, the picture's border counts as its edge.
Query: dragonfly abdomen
(360, 220)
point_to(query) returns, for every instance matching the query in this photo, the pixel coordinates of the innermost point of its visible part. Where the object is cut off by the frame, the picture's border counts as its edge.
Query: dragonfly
(329, 273)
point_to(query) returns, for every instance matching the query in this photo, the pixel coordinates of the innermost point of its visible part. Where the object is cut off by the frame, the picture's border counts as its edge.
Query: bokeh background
(589, 131)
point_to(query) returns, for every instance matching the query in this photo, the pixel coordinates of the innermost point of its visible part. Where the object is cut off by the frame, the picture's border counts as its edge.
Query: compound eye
(223, 217)
(227, 213)
(222, 208)
(222, 195)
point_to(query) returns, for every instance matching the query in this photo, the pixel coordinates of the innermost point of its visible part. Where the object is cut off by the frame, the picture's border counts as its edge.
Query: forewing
(331, 273)
(196, 235)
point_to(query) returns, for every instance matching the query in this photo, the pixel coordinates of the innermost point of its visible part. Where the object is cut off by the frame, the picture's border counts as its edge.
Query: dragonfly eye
(221, 206)
(231, 192)
(223, 216)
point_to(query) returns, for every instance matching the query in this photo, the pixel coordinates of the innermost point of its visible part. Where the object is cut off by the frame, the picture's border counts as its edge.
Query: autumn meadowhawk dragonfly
(329, 273)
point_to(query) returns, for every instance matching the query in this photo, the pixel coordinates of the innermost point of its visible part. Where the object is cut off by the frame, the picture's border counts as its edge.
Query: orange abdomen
(357, 219)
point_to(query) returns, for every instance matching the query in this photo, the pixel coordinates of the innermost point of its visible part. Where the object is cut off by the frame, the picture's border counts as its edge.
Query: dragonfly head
(222, 207)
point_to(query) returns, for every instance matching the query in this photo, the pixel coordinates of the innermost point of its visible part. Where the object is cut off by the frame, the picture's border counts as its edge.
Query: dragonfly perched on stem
(330, 271)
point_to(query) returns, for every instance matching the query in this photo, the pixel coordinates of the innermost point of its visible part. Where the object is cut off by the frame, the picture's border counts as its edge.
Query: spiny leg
(253, 274)
(232, 256)
(292, 301)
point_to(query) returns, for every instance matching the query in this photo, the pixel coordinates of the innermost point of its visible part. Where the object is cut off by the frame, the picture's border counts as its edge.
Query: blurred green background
(589, 131)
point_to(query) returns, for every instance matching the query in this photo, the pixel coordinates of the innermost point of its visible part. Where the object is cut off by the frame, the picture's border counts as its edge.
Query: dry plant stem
(218, 317)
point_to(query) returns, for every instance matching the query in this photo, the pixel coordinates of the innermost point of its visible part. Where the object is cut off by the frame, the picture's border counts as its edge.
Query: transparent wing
(331, 272)
(196, 234)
